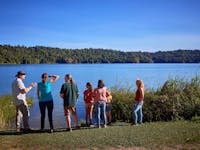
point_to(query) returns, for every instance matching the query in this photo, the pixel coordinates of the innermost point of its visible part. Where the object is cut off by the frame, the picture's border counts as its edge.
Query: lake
(153, 75)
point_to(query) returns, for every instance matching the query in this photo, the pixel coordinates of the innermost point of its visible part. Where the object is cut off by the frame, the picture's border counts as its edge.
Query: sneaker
(69, 129)
(134, 124)
(104, 126)
(51, 131)
(18, 129)
(91, 125)
(41, 130)
(109, 123)
(28, 130)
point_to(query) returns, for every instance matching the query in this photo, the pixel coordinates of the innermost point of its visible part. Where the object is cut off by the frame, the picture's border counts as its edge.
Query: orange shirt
(88, 96)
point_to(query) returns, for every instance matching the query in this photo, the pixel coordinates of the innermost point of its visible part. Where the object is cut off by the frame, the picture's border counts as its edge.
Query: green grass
(149, 135)
(8, 110)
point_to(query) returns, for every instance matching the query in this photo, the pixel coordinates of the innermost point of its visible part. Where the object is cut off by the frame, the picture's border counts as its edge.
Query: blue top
(45, 91)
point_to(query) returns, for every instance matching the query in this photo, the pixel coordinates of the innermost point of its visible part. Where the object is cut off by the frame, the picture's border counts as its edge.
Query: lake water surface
(153, 75)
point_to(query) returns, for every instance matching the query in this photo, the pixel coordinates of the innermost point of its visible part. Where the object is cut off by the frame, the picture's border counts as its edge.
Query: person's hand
(77, 95)
(62, 96)
(34, 84)
(134, 104)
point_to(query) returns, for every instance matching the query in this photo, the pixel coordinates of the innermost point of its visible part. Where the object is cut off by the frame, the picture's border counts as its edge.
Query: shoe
(91, 125)
(134, 124)
(69, 129)
(51, 131)
(28, 130)
(42, 130)
(104, 126)
(18, 129)
(109, 123)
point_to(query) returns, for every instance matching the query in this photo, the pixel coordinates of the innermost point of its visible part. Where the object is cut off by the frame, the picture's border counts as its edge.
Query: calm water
(153, 75)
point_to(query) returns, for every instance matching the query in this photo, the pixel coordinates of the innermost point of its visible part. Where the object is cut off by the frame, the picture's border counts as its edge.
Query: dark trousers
(49, 106)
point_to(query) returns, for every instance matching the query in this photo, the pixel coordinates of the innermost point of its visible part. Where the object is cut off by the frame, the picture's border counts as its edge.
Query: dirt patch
(176, 147)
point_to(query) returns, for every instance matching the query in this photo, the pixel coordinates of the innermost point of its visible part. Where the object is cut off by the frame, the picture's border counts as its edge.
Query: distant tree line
(47, 55)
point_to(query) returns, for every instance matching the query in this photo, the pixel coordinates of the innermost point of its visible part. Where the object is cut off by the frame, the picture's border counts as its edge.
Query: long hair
(69, 76)
(140, 83)
(101, 84)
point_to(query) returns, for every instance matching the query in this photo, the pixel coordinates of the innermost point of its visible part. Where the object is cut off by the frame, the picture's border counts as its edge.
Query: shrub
(123, 99)
(176, 99)
(2, 120)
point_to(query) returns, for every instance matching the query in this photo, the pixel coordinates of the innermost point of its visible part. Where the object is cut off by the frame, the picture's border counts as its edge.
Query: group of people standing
(100, 98)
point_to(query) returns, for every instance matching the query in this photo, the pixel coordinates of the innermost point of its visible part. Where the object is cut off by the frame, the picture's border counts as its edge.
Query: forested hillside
(41, 55)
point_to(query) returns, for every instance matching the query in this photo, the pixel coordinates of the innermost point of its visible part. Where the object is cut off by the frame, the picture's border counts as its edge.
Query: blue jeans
(101, 108)
(137, 113)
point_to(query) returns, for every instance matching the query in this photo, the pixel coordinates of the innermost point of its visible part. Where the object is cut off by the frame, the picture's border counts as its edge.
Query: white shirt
(18, 97)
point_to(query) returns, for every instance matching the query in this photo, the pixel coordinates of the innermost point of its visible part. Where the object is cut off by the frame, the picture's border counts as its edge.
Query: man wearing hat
(19, 99)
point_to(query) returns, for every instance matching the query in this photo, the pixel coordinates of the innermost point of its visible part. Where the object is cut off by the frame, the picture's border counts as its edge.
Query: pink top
(100, 94)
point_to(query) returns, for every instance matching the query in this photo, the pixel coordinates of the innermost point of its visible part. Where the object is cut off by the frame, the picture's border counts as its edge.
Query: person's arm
(107, 93)
(26, 90)
(92, 95)
(38, 94)
(62, 91)
(141, 98)
(54, 78)
(61, 95)
(84, 96)
(77, 93)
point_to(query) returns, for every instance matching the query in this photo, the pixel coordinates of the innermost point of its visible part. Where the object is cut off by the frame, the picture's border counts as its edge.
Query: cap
(20, 73)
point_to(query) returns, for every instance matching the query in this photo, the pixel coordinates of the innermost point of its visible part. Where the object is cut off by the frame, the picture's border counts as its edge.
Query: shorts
(108, 107)
(67, 110)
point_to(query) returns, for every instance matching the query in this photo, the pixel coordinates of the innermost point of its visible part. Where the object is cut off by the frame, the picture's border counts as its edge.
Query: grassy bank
(159, 135)
(8, 110)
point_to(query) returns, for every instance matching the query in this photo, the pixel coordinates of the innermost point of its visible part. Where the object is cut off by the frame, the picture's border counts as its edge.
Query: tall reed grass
(176, 99)
(8, 110)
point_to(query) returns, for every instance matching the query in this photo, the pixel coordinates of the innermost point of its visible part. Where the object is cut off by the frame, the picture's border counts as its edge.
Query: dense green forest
(42, 55)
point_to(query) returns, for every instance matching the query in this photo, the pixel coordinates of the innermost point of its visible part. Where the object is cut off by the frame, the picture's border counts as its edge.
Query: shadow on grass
(35, 131)
(38, 131)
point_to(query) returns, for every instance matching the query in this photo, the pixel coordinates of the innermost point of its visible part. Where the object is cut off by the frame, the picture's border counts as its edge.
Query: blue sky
(126, 25)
